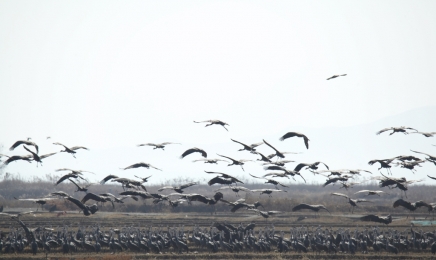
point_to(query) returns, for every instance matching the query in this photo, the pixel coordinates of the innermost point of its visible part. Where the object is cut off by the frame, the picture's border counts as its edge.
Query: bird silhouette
(335, 76)
(194, 150)
(214, 122)
(295, 134)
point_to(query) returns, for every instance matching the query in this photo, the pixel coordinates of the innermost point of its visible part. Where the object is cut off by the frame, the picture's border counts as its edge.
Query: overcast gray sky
(108, 74)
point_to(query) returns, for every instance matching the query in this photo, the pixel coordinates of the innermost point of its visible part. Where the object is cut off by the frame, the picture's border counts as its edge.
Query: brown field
(284, 222)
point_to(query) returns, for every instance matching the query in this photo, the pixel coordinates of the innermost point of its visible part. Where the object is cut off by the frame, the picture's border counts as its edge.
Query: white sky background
(109, 75)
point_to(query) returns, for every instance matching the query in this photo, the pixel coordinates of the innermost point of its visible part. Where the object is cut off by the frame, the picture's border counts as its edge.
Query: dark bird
(236, 162)
(271, 181)
(411, 206)
(107, 178)
(279, 168)
(353, 202)
(335, 76)
(17, 216)
(370, 192)
(40, 201)
(143, 179)
(266, 214)
(312, 166)
(278, 153)
(335, 179)
(70, 175)
(374, 218)
(79, 172)
(81, 188)
(434, 178)
(315, 208)
(264, 158)
(226, 176)
(401, 129)
(16, 158)
(214, 122)
(235, 189)
(267, 191)
(35, 156)
(250, 148)
(410, 165)
(178, 189)
(87, 210)
(71, 150)
(204, 199)
(295, 134)
(426, 134)
(430, 158)
(194, 150)
(384, 163)
(95, 197)
(141, 164)
(219, 180)
(157, 146)
(142, 194)
(279, 163)
(211, 161)
(28, 142)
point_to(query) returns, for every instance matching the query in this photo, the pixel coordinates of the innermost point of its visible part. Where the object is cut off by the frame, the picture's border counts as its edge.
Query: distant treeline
(13, 186)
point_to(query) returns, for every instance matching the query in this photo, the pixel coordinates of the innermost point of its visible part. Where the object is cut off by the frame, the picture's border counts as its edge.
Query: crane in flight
(194, 150)
(214, 122)
(157, 146)
(336, 76)
(236, 162)
(400, 129)
(295, 134)
(71, 150)
(24, 142)
(353, 202)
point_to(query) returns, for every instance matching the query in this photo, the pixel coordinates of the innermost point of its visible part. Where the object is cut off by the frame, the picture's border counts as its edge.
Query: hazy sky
(105, 74)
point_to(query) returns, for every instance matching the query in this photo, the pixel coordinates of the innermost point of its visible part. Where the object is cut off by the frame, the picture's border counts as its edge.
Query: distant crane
(315, 208)
(71, 150)
(194, 150)
(374, 218)
(141, 164)
(157, 146)
(26, 142)
(236, 162)
(353, 202)
(336, 76)
(295, 134)
(250, 148)
(214, 122)
(400, 129)
(178, 189)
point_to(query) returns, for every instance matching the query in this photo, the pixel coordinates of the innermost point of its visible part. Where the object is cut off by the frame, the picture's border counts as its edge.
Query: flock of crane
(224, 236)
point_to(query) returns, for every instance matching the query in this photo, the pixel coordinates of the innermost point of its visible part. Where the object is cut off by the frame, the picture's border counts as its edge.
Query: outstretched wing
(108, 178)
(339, 194)
(194, 150)
(302, 206)
(270, 145)
(384, 130)
(184, 186)
(78, 147)
(77, 202)
(233, 160)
